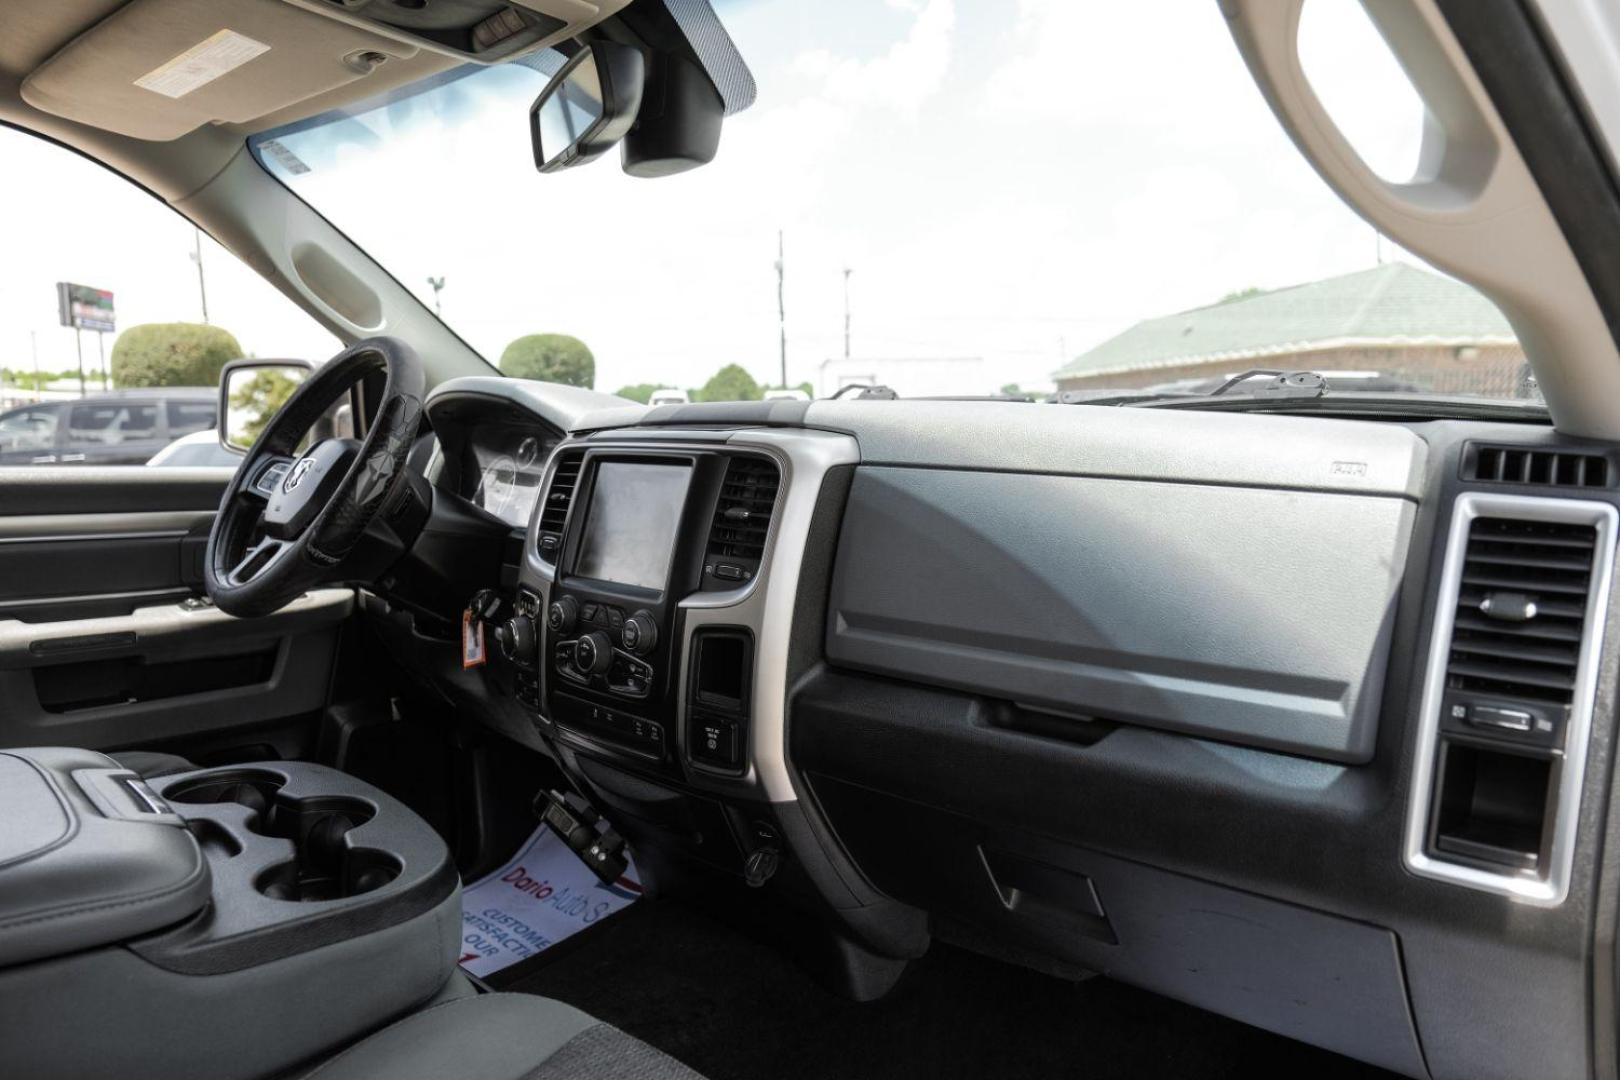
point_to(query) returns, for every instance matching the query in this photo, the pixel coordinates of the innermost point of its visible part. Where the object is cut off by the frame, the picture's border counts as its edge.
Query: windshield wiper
(1291, 384)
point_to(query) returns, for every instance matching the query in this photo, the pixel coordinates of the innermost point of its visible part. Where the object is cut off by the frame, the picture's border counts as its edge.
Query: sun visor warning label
(202, 64)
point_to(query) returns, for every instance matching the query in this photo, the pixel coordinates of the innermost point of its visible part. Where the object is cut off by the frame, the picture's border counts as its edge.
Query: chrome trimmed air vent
(558, 498)
(1523, 596)
(1540, 466)
(742, 522)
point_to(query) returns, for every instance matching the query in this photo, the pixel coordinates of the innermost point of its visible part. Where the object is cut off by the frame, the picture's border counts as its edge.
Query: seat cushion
(150, 763)
(501, 1037)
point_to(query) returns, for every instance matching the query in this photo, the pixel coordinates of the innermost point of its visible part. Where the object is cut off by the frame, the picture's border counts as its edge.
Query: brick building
(1400, 325)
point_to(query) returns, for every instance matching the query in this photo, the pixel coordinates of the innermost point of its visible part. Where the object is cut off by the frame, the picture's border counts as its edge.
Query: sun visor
(158, 69)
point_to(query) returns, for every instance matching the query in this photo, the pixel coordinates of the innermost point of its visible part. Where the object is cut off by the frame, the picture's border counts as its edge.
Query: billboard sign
(84, 308)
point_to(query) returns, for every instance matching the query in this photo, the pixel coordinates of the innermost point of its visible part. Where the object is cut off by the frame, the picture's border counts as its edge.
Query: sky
(1014, 180)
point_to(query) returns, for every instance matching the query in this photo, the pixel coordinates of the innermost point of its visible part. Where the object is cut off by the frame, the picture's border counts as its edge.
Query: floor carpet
(735, 1008)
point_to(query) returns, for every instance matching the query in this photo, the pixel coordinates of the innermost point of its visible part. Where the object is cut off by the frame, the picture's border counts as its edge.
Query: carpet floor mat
(735, 1008)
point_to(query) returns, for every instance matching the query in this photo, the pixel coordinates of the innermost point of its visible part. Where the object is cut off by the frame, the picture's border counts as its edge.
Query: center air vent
(1540, 466)
(742, 520)
(554, 512)
(1521, 609)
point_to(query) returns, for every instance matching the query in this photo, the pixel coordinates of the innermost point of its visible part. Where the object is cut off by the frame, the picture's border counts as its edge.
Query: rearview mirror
(588, 106)
(250, 392)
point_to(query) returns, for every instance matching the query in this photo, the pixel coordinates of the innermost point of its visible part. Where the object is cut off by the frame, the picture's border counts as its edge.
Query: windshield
(945, 199)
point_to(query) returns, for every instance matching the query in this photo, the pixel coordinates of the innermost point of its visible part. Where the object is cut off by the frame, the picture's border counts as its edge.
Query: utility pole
(33, 343)
(847, 272)
(781, 305)
(202, 285)
(1378, 246)
(437, 283)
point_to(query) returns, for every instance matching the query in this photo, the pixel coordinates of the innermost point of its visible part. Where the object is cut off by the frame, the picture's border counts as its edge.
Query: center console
(631, 536)
(226, 922)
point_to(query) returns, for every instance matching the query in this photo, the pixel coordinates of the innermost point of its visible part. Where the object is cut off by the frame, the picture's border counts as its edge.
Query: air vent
(742, 519)
(554, 513)
(1522, 465)
(1521, 609)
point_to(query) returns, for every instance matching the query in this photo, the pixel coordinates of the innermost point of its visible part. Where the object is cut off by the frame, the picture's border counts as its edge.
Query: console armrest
(88, 856)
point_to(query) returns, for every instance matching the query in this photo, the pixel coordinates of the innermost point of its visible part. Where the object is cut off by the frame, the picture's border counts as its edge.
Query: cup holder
(324, 866)
(252, 788)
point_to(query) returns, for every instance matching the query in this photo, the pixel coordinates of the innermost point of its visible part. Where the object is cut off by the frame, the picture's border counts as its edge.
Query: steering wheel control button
(562, 615)
(640, 633)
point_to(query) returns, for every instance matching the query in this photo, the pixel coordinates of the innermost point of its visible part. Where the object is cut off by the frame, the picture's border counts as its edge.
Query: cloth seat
(151, 763)
(501, 1037)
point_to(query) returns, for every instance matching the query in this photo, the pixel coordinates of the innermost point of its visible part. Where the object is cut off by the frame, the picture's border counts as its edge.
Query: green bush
(730, 383)
(171, 354)
(556, 358)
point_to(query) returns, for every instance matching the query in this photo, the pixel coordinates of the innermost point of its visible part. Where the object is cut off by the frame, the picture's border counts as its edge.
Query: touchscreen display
(630, 526)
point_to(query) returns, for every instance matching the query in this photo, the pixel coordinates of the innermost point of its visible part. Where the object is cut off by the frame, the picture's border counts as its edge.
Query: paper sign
(543, 895)
(202, 64)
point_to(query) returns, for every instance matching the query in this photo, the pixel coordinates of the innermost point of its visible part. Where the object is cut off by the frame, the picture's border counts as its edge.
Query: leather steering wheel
(287, 523)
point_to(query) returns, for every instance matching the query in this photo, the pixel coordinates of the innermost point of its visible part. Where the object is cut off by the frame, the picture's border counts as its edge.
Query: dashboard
(494, 455)
(1215, 703)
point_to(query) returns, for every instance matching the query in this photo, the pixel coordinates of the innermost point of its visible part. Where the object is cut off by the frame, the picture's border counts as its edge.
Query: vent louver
(742, 519)
(1521, 609)
(554, 511)
(1551, 468)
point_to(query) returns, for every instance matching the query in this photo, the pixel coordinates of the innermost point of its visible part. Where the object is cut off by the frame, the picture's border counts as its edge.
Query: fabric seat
(151, 763)
(501, 1037)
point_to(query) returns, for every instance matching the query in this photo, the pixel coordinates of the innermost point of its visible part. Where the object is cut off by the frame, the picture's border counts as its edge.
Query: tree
(730, 383)
(641, 392)
(171, 354)
(254, 400)
(1241, 294)
(556, 358)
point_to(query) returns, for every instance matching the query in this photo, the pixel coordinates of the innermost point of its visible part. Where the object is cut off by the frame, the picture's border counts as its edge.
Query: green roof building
(1395, 323)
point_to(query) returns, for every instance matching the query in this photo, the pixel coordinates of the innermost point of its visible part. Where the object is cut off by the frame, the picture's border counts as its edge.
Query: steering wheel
(287, 523)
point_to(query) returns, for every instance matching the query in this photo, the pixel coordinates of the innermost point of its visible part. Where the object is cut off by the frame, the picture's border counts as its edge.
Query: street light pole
(436, 283)
(202, 284)
(847, 272)
(781, 306)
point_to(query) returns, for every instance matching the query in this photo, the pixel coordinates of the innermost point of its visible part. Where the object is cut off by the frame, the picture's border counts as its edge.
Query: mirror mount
(588, 106)
(234, 379)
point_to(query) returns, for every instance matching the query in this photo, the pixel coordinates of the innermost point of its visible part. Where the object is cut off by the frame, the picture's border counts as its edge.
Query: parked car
(790, 394)
(200, 448)
(126, 427)
(669, 397)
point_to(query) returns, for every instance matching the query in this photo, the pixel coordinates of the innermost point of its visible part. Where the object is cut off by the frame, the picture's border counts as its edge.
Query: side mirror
(588, 106)
(250, 392)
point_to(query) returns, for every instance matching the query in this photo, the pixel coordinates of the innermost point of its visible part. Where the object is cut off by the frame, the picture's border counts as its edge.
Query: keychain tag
(472, 639)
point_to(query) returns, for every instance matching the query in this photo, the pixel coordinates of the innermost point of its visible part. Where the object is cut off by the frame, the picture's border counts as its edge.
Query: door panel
(103, 642)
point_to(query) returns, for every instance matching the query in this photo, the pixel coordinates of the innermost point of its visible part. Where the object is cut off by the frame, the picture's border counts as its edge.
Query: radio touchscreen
(630, 524)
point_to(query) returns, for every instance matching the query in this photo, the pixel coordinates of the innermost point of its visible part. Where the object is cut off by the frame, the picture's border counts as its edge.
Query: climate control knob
(640, 633)
(593, 653)
(562, 615)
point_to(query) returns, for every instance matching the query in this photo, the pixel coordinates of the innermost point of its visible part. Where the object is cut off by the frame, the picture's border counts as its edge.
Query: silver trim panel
(764, 606)
(1569, 773)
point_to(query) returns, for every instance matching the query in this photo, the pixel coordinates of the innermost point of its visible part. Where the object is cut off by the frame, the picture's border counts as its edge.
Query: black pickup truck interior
(1184, 737)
